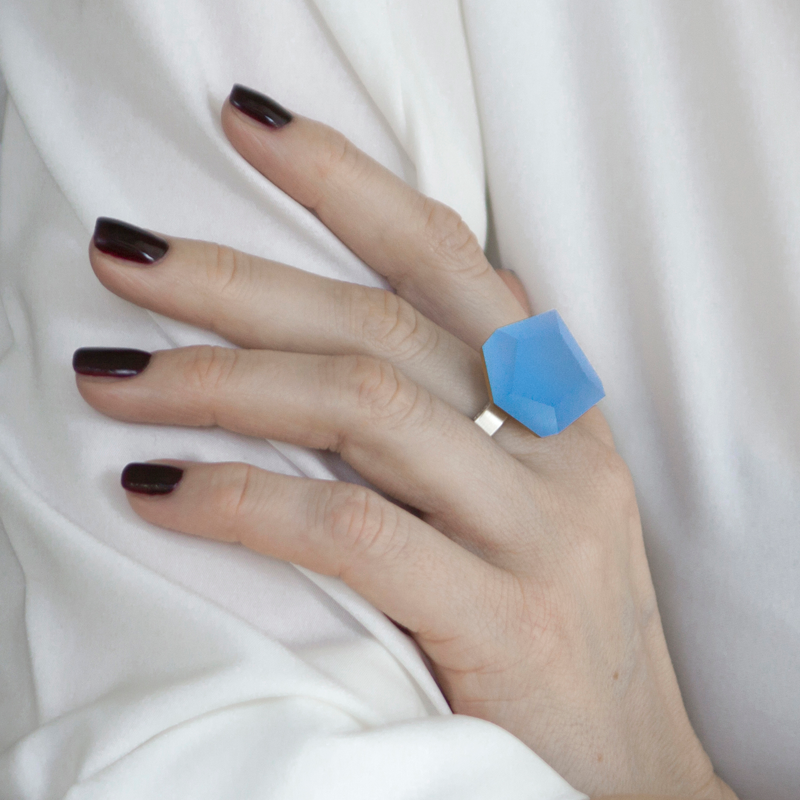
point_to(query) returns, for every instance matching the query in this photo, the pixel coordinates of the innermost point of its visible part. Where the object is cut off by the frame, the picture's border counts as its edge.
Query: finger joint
(453, 245)
(363, 527)
(383, 395)
(390, 327)
(236, 500)
(227, 273)
(210, 371)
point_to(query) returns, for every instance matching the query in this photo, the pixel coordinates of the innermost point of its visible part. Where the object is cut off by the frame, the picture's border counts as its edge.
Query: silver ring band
(491, 418)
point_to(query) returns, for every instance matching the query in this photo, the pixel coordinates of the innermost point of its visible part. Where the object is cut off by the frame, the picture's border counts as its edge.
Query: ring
(537, 373)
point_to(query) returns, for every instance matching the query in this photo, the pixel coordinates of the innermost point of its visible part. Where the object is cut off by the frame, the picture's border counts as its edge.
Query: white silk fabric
(139, 663)
(643, 175)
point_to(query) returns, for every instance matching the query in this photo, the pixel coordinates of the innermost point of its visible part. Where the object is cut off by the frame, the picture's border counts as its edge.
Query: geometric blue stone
(539, 375)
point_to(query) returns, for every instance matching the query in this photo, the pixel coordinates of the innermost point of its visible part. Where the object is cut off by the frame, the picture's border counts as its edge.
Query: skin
(532, 597)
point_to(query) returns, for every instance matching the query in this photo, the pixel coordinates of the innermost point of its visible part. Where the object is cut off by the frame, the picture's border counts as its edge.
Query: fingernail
(108, 361)
(126, 241)
(259, 107)
(150, 478)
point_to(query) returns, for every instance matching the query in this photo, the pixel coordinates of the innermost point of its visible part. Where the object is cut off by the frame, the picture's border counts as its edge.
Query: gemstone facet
(539, 375)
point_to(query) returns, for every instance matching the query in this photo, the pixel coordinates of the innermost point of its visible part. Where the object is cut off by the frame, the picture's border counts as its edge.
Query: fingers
(393, 432)
(257, 303)
(422, 247)
(511, 280)
(401, 565)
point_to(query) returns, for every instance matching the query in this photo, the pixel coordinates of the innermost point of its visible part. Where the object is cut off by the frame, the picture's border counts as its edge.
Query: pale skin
(531, 596)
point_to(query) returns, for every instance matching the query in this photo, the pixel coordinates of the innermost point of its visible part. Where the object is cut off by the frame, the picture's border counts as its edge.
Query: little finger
(396, 434)
(400, 564)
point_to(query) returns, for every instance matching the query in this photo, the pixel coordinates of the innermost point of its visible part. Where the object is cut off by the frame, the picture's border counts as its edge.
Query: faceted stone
(539, 375)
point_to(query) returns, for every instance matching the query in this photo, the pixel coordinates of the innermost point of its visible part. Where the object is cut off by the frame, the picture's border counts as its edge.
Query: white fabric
(643, 174)
(139, 663)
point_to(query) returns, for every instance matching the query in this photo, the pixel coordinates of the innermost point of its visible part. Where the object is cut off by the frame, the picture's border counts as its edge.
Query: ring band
(537, 373)
(491, 418)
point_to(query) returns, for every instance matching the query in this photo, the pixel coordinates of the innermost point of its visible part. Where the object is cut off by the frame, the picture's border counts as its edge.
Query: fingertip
(127, 242)
(187, 497)
(125, 258)
(151, 478)
(259, 107)
(283, 154)
(110, 362)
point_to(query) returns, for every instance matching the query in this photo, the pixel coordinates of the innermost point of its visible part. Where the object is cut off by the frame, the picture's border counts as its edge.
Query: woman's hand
(523, 577)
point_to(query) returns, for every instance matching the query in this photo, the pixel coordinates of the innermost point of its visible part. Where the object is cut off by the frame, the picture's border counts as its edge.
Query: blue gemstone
(539, 375)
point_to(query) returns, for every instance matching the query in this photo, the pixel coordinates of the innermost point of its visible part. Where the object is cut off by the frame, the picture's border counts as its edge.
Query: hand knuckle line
(212, 369)
(360, 527)
(363, 313)
(233, 500)
(372, 381)
(426, 336)
(385, 395)
(245, 491)
(390, 326)
(226, 270)
(348, 517)
(451, 240)
(406, 338)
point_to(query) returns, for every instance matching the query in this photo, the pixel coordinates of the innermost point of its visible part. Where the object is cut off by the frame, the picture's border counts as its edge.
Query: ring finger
(394, 432)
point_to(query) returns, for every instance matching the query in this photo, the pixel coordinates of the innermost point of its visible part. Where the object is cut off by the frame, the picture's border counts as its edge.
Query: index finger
(422, 247)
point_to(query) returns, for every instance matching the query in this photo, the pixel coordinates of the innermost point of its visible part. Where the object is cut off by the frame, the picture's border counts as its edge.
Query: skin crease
(532, 598)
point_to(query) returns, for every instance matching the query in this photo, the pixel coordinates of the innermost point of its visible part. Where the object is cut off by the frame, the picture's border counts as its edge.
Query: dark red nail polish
(259, 107)
(109, 361)
(121, 240)
(150, 478)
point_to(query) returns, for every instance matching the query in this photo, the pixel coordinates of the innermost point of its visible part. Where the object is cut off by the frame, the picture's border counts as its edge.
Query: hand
(523, 576)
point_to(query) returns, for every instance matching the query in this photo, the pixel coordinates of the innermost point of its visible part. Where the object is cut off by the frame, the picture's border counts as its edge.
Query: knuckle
(227, 271)
(362, 526)
(211, 368)
(612, 481)
(451, 240)
(607, 497)
(382, 392)
(389, 325)
(236, 499)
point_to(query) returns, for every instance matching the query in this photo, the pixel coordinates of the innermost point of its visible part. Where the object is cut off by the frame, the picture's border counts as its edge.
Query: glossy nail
(127, 241)
(109, 361)
(259, 107)
(150, 478)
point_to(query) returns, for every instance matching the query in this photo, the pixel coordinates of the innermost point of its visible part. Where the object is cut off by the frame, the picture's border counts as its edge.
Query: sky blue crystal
(539, 375)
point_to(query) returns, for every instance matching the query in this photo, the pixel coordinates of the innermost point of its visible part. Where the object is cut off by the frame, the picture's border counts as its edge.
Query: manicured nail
(259, 107)
(150, 478)
(108, 361)
(126, 241)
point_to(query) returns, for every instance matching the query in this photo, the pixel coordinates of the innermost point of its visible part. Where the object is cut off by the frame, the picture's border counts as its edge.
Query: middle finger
(256, 303)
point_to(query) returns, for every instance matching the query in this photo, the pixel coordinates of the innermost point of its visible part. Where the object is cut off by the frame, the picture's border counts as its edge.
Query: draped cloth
(642, 176)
